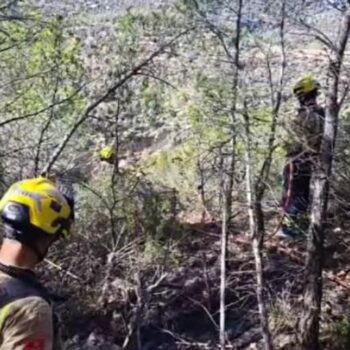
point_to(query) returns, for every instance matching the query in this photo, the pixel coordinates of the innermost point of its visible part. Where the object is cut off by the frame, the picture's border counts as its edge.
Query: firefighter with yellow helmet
(107, 154)
(35, 213)
(305, 132)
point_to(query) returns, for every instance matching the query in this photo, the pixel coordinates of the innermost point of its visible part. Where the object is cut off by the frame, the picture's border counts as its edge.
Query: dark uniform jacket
(305, 130)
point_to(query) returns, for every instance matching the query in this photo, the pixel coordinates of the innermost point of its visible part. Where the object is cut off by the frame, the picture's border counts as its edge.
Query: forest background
(174, 244)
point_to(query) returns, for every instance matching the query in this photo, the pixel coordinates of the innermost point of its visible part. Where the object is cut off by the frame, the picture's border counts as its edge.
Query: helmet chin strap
(37, 251)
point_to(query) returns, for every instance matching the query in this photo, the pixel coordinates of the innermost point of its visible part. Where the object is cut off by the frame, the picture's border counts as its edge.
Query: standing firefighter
(305, 132)
(35, 214)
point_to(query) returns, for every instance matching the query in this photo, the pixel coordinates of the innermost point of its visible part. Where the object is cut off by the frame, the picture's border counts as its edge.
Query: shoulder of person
(320, 110)
(27, 322)
(311, 109)
(28, 309)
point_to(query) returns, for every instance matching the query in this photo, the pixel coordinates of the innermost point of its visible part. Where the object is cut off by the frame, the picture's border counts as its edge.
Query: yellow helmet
(107, 153)
(306, 85)
(36, 205)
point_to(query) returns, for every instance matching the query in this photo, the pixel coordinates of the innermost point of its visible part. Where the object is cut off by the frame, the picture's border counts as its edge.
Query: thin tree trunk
(221, 177)
(201, 190)
(223, 269)
(231, 182)
(276, 100)
(235, 82)
(256, 225)
(309, 322)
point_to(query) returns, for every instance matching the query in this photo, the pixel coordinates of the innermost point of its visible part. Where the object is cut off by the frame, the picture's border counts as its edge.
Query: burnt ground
(179, 304)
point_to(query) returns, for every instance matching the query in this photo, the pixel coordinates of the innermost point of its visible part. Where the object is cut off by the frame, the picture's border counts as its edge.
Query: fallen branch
(58, 267)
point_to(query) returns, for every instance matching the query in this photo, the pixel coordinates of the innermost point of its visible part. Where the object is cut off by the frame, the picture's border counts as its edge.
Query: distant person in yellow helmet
(35, 213)
(107, 154)
(305, 132)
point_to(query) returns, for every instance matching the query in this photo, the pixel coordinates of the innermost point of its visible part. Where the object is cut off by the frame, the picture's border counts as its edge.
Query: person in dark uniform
(305, 131)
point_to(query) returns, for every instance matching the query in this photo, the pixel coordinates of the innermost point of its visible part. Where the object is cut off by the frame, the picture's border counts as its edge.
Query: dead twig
(58, 267)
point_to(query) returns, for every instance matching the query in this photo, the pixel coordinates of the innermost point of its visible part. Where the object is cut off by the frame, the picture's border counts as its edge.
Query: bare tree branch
(40, 111)
(318, 34)
(151, 75)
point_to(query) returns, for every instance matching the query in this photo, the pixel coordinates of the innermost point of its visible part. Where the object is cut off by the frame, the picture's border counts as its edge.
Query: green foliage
(195, 116)
(132, 207)
(283, 314)
(178, 123)
(151, 102)
(338, 335)
(43, 70)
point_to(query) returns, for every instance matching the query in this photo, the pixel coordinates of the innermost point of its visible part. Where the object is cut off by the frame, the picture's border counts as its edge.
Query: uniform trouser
(295, 220)
(296, 188)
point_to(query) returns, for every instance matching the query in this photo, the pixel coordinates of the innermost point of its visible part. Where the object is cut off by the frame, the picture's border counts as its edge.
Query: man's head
(306, 89)
(35, 213)
(107, 154)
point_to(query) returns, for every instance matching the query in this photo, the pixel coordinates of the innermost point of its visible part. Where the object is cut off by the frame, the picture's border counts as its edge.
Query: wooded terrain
(175, 243)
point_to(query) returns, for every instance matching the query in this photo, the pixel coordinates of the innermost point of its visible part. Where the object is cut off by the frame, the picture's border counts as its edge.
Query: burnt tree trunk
(309, 321)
